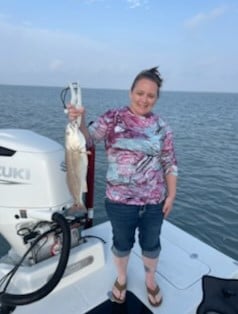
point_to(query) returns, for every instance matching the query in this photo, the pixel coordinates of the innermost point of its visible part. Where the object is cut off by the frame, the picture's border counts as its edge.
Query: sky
(105, 43)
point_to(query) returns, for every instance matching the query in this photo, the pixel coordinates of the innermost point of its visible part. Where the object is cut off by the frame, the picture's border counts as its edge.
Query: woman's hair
(152, 74)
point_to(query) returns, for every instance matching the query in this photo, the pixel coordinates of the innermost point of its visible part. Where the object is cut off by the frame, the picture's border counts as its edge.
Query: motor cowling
(32, 182)
(30, 167)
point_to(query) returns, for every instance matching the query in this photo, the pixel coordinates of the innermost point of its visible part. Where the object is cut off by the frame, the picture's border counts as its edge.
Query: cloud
(134, 3)
(35, 56)
(93, 1)
(205, 17)
(137, 3)
(56, 65)
(39, 55)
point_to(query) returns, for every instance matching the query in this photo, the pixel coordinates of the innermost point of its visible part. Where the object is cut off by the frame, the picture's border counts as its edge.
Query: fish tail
(77, 208)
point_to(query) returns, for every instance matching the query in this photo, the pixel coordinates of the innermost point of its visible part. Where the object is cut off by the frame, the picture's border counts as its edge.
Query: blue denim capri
(125, 219)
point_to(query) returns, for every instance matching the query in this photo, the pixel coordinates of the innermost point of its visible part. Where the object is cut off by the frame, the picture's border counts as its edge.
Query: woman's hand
(73, 112)
(168, 205)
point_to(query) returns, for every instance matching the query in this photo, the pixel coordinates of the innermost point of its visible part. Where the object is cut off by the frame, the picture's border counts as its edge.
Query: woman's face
(143, 97)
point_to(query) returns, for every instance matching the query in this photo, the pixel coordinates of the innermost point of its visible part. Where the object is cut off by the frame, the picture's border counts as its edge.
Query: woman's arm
(171, 181)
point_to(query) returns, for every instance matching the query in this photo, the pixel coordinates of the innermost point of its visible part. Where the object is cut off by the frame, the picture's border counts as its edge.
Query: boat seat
(219, 296)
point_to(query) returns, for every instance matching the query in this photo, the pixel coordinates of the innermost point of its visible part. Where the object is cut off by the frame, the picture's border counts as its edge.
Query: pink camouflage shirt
(140, 153)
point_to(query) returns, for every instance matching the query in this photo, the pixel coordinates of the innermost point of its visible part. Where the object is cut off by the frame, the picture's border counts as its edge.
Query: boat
(61, 264)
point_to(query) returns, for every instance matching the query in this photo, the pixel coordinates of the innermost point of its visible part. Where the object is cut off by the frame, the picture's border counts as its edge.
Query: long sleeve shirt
(140, 153)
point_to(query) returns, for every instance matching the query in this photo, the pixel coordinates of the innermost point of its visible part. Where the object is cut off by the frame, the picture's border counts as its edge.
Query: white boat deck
(183, 261)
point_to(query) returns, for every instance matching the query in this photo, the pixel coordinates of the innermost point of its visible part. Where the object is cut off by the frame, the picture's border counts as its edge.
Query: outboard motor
(30, 167)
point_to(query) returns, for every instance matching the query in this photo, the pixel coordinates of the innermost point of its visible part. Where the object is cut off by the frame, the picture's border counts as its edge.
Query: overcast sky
(105, 43)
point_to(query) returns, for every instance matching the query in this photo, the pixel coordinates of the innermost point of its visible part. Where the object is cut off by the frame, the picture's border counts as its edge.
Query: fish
(76, 161)
(76, 156)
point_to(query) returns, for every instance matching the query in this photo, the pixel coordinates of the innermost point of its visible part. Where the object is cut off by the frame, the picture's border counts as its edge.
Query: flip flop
(154, 292)
(120, 288)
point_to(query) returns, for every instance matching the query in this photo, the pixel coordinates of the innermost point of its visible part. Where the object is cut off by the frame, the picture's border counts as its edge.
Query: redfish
(76, 156)
(76, 160)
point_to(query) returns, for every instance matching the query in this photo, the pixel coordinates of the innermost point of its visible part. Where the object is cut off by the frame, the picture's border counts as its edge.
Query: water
(206, 139)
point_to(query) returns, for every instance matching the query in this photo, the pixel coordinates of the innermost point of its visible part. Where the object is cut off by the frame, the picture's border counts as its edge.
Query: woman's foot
(154, 296)
(118, 292)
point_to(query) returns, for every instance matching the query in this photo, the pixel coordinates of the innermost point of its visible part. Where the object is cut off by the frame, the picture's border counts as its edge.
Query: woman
(141, 178)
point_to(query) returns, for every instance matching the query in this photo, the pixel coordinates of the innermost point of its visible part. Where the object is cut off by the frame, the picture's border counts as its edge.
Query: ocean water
(206, 139)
